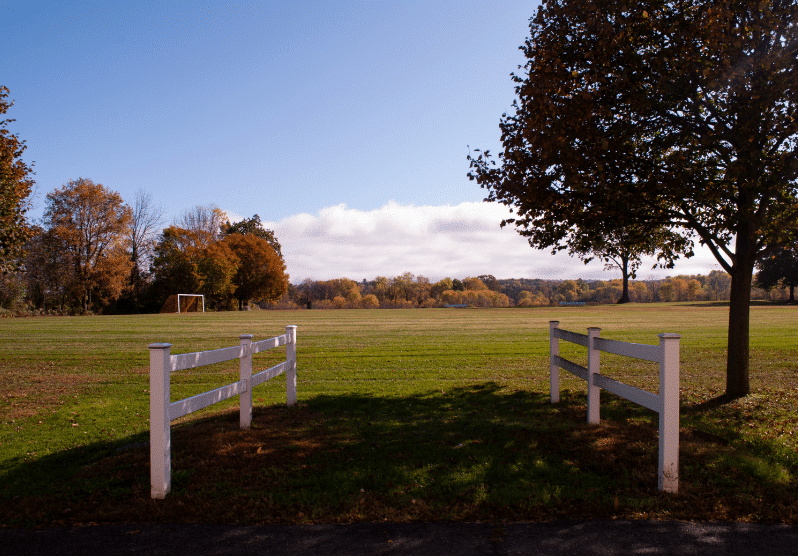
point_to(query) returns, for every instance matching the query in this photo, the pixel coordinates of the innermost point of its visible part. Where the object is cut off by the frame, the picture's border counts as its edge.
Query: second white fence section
(666, 403)
(163, 412)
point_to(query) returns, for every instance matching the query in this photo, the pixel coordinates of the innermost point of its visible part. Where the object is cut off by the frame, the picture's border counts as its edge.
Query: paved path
(580, 538)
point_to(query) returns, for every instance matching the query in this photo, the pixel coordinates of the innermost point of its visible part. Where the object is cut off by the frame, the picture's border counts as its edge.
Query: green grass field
(403, 415)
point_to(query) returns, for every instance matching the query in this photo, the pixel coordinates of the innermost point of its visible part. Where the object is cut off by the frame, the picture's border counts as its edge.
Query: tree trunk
(135, 279)
(737, 355)
(625, 270)
(792, 293)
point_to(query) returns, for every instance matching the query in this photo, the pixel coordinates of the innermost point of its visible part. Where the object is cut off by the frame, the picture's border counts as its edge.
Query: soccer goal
(191, 304)
(177, 304)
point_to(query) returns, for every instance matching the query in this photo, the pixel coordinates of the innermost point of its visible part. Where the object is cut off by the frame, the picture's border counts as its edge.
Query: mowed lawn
(403, 415)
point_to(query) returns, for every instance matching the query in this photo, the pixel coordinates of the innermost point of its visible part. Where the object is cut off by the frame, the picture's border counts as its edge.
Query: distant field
(433, 413)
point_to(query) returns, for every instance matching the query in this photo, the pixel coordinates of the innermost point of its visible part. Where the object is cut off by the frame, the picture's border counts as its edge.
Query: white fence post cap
(670, 335)
(245, 337)
(159, 346)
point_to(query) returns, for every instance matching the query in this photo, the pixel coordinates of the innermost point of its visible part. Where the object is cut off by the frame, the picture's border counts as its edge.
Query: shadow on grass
(710, 404)
(471, 453)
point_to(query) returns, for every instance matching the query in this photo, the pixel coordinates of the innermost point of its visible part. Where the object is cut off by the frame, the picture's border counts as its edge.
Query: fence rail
(666, 403)
(163, 412)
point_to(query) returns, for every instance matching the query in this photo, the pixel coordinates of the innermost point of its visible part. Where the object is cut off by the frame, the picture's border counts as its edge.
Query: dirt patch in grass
(31, 390)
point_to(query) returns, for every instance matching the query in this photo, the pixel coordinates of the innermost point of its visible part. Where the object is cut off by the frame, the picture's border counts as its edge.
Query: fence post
(593, 368)
(245, 376)
(290, 360)
(668, 479)
(554, 369)
(160, 423)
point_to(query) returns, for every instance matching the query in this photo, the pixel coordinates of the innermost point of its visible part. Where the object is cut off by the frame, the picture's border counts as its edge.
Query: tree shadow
(475, 452)
(709, 405)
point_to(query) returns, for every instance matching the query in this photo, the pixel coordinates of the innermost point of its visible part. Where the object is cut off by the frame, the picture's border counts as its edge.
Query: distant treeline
(408, 291)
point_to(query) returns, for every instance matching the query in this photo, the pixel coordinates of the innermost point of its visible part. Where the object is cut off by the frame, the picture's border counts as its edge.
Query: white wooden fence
(162, 412)
(666, 403)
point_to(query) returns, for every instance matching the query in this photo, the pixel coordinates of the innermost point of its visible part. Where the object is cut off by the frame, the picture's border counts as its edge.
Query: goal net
(184, 303)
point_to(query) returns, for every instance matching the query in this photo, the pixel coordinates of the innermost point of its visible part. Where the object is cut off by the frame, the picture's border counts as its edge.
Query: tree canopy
(16, 185)
(88, 222)
(261, 270)
(658, 114)
(241, 266)
(174, 266)
(253, 226)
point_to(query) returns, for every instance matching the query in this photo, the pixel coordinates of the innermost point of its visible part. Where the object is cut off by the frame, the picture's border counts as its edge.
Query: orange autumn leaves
(85, 226)
(84, 259)
(16, 185)
(234, 267)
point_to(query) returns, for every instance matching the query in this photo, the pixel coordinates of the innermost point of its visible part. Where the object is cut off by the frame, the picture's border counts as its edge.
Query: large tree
(253, 226)
(261, 270)
(676, 114)
(185, 263)
(16, 185)
(174, 265)
(90, 223)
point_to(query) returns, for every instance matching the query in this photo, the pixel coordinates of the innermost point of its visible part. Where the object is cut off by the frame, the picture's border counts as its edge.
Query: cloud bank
(432, 241)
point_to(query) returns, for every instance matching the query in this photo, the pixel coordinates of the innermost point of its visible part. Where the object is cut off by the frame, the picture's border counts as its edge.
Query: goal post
(190, 295)
(176, 304)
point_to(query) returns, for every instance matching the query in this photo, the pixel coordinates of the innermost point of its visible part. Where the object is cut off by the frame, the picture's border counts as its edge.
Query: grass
(403, 415)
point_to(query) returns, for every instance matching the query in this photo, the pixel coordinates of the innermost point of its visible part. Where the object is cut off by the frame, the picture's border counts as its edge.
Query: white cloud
(432, 241)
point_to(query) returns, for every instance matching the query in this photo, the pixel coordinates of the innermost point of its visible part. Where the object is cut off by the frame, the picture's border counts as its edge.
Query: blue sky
(344, 125)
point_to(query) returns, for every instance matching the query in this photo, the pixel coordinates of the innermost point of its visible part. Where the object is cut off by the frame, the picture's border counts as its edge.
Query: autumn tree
(89, 224)
(174, 265)
(217, 265)
(474, 284)
(261, 270)
(779, 269)
(401, 287)
(680, 115)
(253, 226)
(16, 185)
(490, 281)
(236, 266)
(441, 286)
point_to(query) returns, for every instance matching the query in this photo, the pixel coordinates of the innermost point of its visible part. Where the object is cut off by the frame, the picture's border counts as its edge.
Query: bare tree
(147, 222)
(205, 221)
